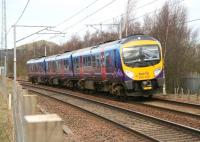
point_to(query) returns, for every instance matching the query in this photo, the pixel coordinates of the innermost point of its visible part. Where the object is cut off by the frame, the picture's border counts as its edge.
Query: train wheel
(150, 96)
(120, 93)
(46, 81)
(70, 84)
(33, 81)
(81, 84)
(50, 82)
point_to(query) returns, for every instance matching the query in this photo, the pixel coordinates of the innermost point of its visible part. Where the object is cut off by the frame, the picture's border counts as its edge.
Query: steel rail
(111, 121)
(178, 102)
(176, 125)
(186, 113)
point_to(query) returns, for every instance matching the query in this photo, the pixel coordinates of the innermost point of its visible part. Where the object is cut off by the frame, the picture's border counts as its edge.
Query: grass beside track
(5, 121)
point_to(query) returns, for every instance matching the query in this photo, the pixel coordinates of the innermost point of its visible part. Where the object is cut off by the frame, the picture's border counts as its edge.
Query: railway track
(186, 108)
(183, 100)
(190, 110)
(151, 128)
(177, 102)
(182, 109)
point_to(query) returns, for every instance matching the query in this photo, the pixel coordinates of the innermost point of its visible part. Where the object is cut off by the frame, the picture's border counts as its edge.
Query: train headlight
(157, 72)
(129, 74)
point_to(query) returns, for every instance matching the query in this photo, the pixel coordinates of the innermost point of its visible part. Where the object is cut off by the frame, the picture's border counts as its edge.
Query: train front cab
(142, 64)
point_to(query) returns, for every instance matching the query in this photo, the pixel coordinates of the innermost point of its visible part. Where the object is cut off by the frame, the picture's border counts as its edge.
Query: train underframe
(145, 88)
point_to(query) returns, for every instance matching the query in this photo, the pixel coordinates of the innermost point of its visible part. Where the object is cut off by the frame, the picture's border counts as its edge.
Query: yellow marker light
(147, 88)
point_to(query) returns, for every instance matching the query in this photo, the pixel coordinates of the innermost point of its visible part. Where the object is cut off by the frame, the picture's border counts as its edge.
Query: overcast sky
(51, 13)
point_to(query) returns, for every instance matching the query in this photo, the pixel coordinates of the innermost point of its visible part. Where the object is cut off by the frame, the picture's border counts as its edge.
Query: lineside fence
(188, 88)
(185, 89)
(29, 124)
(191, 83)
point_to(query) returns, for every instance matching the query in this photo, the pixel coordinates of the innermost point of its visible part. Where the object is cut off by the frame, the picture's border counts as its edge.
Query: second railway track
(191, 110)
(153, 128)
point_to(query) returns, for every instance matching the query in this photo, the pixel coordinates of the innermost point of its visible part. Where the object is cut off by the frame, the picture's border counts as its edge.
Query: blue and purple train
(132, 66)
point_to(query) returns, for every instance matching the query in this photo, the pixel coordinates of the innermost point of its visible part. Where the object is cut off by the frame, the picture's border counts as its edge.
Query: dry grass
(5, 121)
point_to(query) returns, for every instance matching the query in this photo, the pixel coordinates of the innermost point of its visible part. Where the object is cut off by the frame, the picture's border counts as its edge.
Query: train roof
(35, 60)
(64, 55)
(137, 37)
(112, 44)
(50, 58)
(86, 51)
(83, 51)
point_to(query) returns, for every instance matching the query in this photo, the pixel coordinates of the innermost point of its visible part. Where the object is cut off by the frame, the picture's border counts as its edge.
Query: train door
(103, 68)
(45, 67)
(71, 66)
(93, 64)
(109, 64)
(115, 63)
(61, 61)
(115, 58)
(65, 66)
(57, 67)
(81, 66)
(98, 65)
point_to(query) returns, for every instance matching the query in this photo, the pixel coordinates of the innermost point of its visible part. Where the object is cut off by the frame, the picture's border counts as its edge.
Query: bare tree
(169, 26)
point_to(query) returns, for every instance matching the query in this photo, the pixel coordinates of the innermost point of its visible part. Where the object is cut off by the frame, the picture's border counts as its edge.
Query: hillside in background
(38, 47)
(29, 51)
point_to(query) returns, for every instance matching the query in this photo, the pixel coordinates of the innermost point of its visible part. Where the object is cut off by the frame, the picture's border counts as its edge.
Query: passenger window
(66, 63)
(98, 61)
(93, 61)
(57, 66)
(47, 66)
(85, 61)
(108, 59)
(115, 58)
(89, 61)
(77, 63)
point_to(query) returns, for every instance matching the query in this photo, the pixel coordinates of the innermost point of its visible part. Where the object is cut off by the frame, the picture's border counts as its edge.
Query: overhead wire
(147, 4)
(113, 17)
(75, 14)
(90, 15)
(23, 11)
(154, 11)
(86, 17)
(143, 14)
(142, 6)
(193, 20)
(138, 8)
